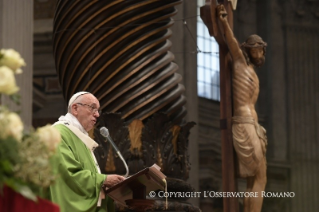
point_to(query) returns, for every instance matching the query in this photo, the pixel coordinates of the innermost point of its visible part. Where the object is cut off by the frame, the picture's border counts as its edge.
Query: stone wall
(16, 31)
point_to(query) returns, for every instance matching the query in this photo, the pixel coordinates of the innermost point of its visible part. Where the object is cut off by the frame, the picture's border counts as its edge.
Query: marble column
(16, 31)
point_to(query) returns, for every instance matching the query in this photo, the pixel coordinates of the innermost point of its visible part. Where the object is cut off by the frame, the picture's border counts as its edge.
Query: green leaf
(5, 166)
(15, 98)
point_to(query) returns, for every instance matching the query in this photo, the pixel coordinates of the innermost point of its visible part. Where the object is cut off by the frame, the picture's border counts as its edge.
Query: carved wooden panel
(143, 144)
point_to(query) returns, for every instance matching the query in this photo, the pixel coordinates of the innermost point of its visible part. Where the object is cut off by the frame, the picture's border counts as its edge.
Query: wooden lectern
(133, 190)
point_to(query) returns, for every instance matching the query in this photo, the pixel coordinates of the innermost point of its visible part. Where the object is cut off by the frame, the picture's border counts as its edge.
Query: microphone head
(104, 132)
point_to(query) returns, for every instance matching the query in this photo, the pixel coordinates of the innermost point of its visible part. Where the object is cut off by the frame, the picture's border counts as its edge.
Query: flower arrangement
(25, 157)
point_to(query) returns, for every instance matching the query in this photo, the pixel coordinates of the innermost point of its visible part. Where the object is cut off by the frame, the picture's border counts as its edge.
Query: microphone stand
(126, 167)
(105, 133)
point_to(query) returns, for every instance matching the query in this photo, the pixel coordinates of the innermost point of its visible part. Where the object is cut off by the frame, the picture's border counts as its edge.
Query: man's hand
(221, 12)
(112, 180)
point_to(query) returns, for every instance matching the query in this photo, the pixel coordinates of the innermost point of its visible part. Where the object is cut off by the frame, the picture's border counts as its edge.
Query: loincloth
(250, 141)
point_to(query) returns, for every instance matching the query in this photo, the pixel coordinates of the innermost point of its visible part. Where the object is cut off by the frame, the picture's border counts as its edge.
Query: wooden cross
(208, 15)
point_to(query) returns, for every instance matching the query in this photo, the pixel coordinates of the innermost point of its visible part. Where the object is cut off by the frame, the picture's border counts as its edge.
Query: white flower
(7, 81)
(11, 125)
(11, 59)
(50, 136)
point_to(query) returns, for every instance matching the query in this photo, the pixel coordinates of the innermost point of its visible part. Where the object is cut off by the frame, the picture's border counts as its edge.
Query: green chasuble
(78, 185)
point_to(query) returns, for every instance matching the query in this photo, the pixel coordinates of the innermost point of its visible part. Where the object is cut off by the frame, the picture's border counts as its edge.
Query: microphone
(105, 133)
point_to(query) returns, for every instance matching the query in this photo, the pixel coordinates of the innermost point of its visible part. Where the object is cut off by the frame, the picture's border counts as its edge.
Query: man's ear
(74, 109)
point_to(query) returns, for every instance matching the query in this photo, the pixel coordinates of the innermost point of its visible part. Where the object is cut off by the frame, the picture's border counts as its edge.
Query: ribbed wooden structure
(119, 51)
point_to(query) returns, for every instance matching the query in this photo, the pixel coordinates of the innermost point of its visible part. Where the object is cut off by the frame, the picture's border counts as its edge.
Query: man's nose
(96, 114)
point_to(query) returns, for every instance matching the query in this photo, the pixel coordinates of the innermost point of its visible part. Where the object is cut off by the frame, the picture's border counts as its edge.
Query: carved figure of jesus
(249, 138)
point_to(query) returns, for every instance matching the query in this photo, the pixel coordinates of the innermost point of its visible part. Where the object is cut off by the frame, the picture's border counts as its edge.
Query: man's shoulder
(67, 136)
(61, 127)
(64, 130)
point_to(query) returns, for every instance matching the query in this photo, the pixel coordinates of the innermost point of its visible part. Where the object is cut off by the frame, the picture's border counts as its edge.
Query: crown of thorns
(254, 41)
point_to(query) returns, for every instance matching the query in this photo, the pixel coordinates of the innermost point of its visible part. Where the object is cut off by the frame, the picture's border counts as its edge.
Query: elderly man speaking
(80, 182)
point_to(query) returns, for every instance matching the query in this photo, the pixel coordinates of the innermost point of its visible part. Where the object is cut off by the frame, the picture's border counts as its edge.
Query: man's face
(257, 56)
(85, 111)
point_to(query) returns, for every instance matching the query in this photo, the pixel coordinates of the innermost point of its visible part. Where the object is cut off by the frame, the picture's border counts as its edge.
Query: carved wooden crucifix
(208, 15)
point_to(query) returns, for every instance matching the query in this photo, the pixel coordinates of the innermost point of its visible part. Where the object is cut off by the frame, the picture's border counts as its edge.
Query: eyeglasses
(91, 108)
